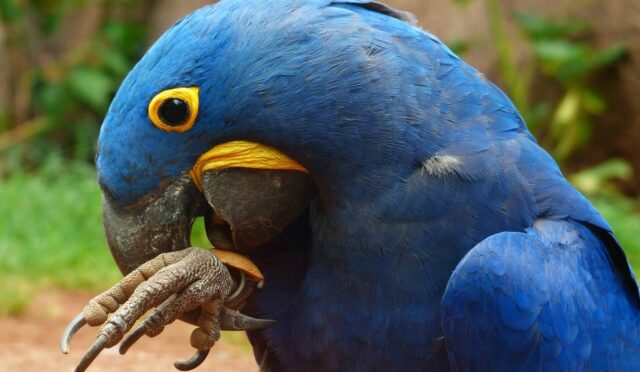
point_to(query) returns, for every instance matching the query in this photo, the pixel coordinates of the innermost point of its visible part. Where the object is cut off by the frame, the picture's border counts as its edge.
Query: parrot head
(253, 115)
(180, 141)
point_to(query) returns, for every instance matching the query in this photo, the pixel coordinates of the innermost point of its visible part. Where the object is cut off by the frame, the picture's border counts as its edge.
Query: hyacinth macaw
(400, 212)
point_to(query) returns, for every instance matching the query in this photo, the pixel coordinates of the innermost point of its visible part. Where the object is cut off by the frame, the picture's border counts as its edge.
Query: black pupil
(174, 111)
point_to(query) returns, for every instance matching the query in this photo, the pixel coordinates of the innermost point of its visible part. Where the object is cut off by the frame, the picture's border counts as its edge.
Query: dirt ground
(30, 343)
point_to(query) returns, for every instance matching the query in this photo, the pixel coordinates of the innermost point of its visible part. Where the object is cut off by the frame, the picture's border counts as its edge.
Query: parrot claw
(131, 339)
(193, 362)
(172, 283)
(233, 320)
(92, 353)
(76, 324)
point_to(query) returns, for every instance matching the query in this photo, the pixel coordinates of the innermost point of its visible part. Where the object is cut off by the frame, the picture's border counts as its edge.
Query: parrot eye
(174, 110)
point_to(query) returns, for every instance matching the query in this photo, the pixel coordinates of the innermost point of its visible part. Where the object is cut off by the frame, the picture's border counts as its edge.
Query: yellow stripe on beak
(242, 154)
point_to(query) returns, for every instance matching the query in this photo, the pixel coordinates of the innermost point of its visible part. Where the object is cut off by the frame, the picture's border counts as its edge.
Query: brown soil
(30, 343)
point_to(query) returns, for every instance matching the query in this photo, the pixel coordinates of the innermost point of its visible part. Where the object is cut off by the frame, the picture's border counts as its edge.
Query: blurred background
(572, 67)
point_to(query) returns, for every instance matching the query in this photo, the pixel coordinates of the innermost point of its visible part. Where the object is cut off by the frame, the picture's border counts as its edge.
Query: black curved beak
(251, 206)
(157, 223)
(243, 208)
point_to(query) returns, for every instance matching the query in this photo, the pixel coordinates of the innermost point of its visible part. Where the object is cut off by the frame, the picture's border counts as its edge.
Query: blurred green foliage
(59, 81)
(599, 184)
(52, 234)
(68, 92)
(560, 51)
(563, 56)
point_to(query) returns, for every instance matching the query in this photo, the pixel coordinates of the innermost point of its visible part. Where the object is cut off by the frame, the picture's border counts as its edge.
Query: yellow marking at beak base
(242, 154)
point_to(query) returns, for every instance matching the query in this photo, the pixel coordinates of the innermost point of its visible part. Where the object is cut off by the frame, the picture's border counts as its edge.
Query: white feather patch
(442, 165)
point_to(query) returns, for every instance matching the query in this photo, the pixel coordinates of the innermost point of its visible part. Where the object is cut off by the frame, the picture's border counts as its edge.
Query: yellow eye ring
(175, 110)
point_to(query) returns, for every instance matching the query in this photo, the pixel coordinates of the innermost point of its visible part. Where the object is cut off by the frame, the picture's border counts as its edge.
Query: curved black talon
(92, 353)
(131, 339)
(73, 327)
(194, 362)
(233, 320)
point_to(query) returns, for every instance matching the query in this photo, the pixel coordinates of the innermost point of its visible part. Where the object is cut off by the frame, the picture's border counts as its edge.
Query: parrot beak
(157, 223)
(253, 206)
(248, 194)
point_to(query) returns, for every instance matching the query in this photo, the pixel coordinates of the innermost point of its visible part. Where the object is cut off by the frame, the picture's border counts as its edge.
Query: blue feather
(579, 316)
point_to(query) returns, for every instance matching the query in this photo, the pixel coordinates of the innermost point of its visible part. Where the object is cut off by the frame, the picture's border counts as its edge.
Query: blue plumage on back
(543, 299)
(419, 161)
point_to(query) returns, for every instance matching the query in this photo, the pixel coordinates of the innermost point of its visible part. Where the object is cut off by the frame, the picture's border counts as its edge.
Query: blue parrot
(439, 235)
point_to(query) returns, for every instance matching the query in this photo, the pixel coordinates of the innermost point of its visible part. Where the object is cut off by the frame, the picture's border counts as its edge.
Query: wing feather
(547, 298)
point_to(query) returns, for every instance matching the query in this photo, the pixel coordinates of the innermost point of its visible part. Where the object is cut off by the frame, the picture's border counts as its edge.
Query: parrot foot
(173, 283)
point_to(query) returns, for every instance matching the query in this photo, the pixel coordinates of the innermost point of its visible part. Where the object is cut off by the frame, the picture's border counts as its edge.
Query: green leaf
(564, 60)
(567, 111)
(54, 100)
(116, 62)
(593, 180)
(609, 56)
(125, 37)
(537, 27)
(593, 102)
(559, 51)
(90, 86)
